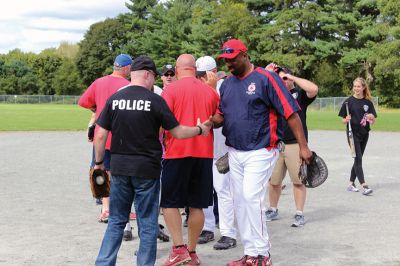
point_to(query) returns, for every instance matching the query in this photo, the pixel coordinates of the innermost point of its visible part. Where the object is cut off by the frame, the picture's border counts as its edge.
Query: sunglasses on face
(169, 75)
(229, 50)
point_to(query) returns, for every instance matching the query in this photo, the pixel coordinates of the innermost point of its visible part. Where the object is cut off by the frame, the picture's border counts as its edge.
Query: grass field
(54, 117)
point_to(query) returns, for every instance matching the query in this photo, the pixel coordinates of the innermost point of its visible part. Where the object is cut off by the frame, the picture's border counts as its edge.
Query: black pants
(360, 142)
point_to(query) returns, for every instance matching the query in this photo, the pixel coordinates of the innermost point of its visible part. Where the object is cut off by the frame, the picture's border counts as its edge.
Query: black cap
(167, 68)
(144, 62)
(284, 69)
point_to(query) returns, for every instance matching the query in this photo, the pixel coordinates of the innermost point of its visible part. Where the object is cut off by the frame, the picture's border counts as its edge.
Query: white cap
(205, 63)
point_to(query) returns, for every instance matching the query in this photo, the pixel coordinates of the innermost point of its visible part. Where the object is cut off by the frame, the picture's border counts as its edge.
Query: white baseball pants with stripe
(222, 185)
(250, 172)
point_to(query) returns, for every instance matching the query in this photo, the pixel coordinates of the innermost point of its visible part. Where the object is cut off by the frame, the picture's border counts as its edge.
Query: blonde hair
(366, 92)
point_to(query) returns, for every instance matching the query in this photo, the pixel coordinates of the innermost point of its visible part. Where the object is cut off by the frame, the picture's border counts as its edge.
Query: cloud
(36, 25)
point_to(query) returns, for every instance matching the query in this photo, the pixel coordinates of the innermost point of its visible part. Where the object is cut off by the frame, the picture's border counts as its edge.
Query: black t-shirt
(134, 116)
(303, 101)
(358, 109)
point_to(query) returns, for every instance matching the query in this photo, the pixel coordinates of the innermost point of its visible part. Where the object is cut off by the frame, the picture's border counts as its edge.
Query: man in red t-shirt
(96, 96)
(187, 166)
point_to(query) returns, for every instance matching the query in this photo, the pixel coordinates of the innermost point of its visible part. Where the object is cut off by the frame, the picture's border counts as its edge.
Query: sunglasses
(229, 50)
(169, 75)
(285, 78)
(153, 73)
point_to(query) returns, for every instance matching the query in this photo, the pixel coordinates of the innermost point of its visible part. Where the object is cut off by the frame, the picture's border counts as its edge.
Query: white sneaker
(352, 188)
(367, 191)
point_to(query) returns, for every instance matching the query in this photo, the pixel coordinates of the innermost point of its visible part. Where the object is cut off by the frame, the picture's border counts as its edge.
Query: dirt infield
(50, 218)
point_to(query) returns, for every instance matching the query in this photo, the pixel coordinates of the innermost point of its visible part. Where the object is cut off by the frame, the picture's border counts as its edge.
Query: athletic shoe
(161, 234)
(240, 262)
(367, 191)
(104, 217)
(127, 235)
(259, 261)
(195, 260)
(352, 188)
(132, 216)
(225, 242)
(205, 237)
(271, 214)
(298, 220)
(178, 256)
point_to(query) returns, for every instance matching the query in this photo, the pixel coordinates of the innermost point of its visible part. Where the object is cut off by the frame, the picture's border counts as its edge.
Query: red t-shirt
(98, 93)
(189, 99)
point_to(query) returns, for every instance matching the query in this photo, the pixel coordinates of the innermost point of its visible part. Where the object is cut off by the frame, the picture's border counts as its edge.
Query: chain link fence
(33, 99)
(322, 104)
(334, 103)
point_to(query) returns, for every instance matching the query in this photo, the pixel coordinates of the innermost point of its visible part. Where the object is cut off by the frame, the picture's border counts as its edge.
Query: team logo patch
(251, 89)
(366, 107)
(295, 95)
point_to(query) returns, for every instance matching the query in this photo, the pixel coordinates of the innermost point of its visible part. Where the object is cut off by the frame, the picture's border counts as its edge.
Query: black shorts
(187, 182)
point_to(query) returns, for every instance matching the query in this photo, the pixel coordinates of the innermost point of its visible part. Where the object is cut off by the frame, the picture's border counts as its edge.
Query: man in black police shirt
(134, 116)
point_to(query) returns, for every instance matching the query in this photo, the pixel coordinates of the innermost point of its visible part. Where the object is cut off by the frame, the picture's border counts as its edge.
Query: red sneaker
(240, 262)
(195, 260)
(132, 216)
(259, 261)
(104, 217)
(178, 256)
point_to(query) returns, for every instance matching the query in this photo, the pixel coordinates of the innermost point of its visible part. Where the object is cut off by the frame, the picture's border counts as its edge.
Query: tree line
(327, 41)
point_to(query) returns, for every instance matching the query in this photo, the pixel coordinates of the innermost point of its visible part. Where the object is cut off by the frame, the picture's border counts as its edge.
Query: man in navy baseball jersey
(253, 103)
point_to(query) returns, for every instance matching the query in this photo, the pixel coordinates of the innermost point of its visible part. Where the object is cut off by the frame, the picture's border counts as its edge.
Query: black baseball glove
(315, 173)
(91, 132)
(99, 183)
(222, 164)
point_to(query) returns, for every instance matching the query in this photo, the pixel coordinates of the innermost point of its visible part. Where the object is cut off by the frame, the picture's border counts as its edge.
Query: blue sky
(34, 25)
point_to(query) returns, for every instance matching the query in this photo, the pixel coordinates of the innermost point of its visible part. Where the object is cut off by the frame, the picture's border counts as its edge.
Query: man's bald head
(186, 60)
(186, 66)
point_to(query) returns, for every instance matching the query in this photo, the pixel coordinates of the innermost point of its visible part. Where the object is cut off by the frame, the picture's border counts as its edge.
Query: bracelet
(98, 163)
(201, 130)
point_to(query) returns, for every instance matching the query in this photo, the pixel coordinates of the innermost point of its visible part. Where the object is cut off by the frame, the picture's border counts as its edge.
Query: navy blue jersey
(253, 108)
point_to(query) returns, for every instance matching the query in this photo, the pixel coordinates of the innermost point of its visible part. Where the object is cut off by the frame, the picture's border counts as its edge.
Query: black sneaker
(205, 237)
(225, 242)
(161, 234)
(127, 235)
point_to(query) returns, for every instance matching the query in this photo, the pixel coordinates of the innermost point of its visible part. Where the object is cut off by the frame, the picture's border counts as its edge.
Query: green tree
(67, 80)
(102, 42)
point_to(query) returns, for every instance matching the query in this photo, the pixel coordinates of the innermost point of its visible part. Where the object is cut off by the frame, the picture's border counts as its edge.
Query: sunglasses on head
(229, 50)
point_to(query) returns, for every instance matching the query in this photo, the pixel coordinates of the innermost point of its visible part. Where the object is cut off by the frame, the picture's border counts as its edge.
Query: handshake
(205, 127)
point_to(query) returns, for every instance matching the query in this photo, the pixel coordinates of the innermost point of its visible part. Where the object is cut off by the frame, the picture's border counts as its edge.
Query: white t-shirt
(157, 90)
(219, 140)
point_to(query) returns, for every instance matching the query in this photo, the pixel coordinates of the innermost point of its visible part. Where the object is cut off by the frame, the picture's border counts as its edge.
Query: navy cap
(168, 68)
(122, 60)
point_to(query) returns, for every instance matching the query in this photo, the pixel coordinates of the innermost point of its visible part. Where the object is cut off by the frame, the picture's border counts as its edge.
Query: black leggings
(360, 142)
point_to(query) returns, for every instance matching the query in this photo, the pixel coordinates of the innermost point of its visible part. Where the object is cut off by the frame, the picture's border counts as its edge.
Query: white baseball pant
(222, 185)
(250, 172)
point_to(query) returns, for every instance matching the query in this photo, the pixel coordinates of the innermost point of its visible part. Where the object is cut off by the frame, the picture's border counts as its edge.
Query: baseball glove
(222, 164)
(91, 132)
(315, 173)
(99, 183)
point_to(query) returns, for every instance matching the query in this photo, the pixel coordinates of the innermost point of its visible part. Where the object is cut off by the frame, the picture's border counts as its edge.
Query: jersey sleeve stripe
(287, 108)
(273, 127)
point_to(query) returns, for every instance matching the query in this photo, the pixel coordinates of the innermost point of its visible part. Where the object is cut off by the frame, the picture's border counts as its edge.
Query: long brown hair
(366, 92)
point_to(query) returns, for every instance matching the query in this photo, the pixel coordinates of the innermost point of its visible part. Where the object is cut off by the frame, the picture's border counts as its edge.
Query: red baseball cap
(232, 48)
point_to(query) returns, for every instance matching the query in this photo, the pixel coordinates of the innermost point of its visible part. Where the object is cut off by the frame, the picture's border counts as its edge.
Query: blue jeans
(145, 193)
